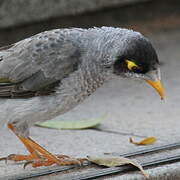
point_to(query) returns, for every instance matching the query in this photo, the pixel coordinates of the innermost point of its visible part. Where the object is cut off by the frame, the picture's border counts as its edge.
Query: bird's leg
(38, 155)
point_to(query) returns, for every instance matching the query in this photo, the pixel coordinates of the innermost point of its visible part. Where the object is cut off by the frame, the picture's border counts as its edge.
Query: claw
(83, 161)
(62, 156)
(10, 157)
(27, 163)
(4, 159)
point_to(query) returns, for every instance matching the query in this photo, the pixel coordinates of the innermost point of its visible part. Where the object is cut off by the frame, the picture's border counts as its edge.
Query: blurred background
(21, 18)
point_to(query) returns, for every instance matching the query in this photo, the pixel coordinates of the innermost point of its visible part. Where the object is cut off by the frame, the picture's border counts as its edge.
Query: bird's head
(138, 59)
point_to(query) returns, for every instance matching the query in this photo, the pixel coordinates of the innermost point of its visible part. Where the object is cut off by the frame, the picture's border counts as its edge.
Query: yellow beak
(157, 86)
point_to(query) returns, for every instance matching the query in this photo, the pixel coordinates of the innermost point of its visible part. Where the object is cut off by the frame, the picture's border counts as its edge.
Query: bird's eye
(132, 66)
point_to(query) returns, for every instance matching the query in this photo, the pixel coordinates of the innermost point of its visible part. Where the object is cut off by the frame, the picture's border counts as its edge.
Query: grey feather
(49, 56)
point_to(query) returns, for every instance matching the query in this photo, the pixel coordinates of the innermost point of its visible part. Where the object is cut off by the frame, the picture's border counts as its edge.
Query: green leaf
(72, 124)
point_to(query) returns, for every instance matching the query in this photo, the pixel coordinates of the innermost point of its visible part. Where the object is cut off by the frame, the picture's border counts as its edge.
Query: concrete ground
(132, 108)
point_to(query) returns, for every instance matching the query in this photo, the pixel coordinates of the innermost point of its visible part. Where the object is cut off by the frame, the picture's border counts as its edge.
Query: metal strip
(57, 169)
(123, 169)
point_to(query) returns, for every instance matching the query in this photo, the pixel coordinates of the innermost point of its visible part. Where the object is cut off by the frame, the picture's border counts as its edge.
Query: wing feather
(39, 61)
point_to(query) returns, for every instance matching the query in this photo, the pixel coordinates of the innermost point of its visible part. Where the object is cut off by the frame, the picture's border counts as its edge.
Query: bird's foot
(64, 161)
(38, 155)
(41, 161)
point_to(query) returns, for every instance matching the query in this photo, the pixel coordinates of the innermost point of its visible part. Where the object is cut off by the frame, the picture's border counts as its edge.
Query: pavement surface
(132, 108)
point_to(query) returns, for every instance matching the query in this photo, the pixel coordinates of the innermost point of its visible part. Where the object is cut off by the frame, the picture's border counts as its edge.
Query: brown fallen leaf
(146, 141)
(113, 161)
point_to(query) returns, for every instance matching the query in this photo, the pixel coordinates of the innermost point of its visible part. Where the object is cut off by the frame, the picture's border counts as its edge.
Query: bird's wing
(37, 62)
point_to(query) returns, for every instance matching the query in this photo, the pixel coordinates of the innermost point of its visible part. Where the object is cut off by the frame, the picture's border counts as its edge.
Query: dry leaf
(113, 161)
(146, 141)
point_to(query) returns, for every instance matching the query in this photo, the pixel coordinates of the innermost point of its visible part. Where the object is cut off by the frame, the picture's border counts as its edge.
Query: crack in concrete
(118, 132)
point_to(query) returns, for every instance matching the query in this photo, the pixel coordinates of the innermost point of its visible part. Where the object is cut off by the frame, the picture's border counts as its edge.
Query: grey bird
(50, 73)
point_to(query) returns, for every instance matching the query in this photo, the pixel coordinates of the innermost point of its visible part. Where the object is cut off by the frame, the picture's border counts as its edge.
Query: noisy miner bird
(50, 73)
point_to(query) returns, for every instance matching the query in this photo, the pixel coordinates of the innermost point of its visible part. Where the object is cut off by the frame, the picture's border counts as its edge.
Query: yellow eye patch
(131, 65)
